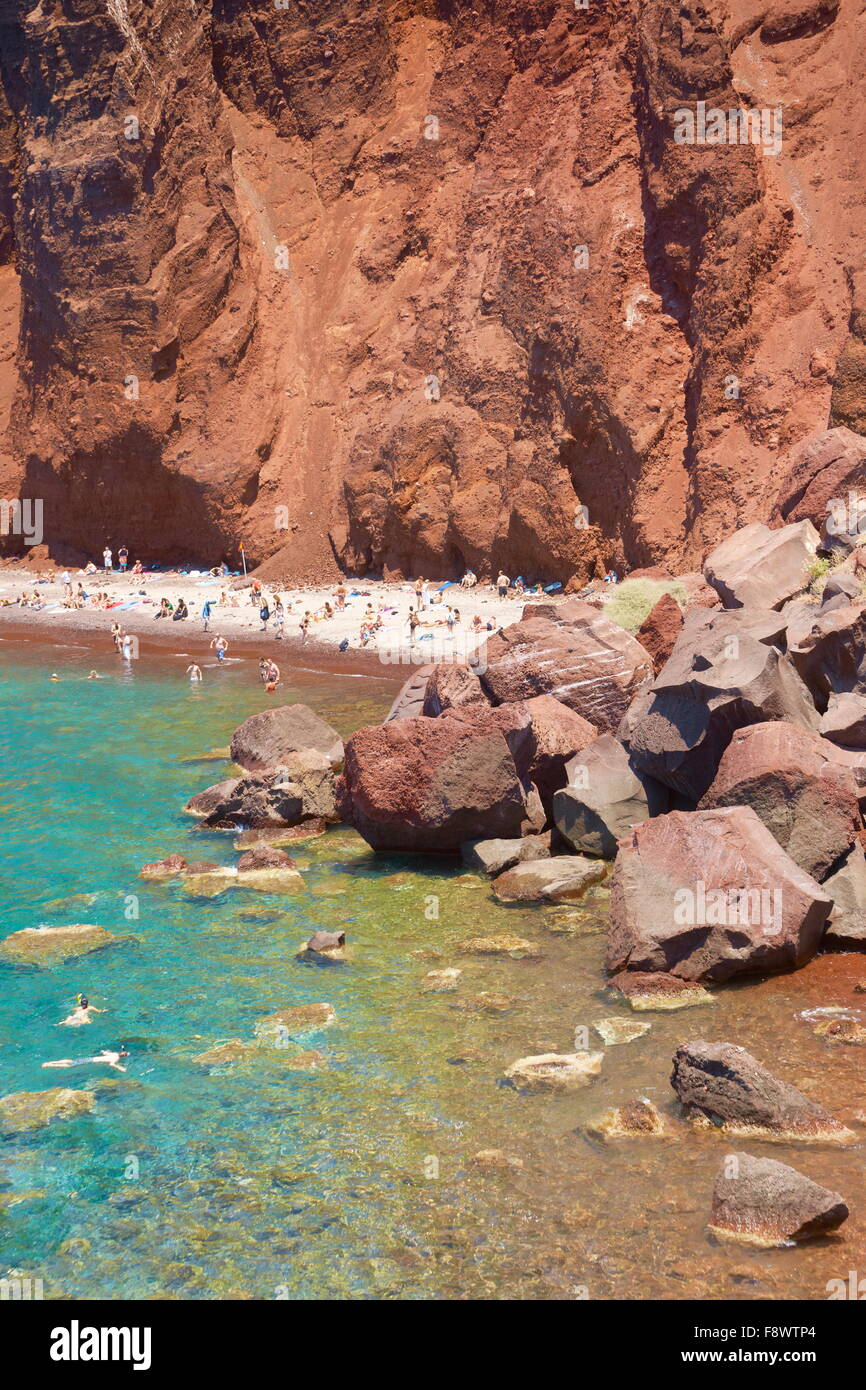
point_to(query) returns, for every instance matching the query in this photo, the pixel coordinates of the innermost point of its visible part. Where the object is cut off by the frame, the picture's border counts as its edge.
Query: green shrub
(633, 599)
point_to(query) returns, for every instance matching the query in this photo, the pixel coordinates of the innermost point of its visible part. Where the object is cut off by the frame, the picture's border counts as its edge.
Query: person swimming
(106, 1057)
(81, 1013)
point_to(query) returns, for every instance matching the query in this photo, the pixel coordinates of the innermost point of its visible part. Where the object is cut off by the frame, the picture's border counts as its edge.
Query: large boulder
(706, 895)
(267, 739)
(409, 700)
(723, 1085)
(823, 471)
(757, 567)
(203, 803)
(761, 1202)
(21, 1112)
(844, 720)
(828, 650)
(431, 784)
(606, 795)
(846, 929)
(51, 945)
(302, 788)
(586, 661)
(723, 673)
(493, 857)
(449, 687)
(660, 629)
(790, 779)
(545, 745)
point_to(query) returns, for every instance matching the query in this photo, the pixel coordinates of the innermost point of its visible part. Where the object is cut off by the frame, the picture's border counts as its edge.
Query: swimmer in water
(81, 1013)
(54, 676)
(94, 676)
(194, 672)
(107, 1057)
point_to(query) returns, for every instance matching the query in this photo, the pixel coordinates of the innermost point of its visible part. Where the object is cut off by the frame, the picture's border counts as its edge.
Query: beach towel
(447, 585)
(551, 588)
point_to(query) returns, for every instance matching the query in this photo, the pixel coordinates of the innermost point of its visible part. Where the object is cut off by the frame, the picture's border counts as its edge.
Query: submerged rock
(555, 1071)
(301, 1018)
(440, 981)
(23, 1111)
(637, 1119)
(496, 1161)
(761, 1202)
(549, 880)
(659, 991)
(502, 945)
(324, 946)
(279, 837)
(268, 739)
(723, 1085)
(843, 1030)
(489, 1001)
(49, 945)
(208, 880)
(614, 1031)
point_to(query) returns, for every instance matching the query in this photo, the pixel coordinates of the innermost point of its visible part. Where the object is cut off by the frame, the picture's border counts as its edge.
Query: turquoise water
(355, 1180)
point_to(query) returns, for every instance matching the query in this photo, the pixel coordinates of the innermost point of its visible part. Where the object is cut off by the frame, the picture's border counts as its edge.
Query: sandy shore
(135, 600)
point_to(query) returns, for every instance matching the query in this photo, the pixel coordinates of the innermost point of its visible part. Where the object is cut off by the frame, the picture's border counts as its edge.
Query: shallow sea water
(353, 1181)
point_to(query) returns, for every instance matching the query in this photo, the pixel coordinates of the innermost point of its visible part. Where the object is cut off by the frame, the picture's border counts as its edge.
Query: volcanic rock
(724, 1085)
(492, 857)
(824, 470)
(606, 795)
(844, 720)
(658, 991)
(24, 1111)
(169, 867)
(269, 739)
(555, 1071)
(804, 798)
(449, 687)
(706, 895)
(409, 700)
(637, 1119)
(760, 568)
(549, 880)
(50, 945)
(761, 1202)
(586, 662)
(846, 929)
(660, 629)
(302, 788)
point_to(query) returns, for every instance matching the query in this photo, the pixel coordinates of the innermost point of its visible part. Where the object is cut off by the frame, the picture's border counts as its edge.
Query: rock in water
(300, 789)
(638, 1119)
(721, 1084)
(706, 895)
(24, 1111)
(555, 1071)
(658, 991)
(169, 867)
(505, 945)
(493, 857)
(279, 1027)
(585, 661)
(806, 799)
(761, 1202)
(760, 568)
(48, 945)
(604, 797)
(268, 739)
(549, 880)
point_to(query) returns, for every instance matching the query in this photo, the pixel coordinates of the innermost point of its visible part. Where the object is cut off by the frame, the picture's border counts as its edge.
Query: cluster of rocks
(720, 769)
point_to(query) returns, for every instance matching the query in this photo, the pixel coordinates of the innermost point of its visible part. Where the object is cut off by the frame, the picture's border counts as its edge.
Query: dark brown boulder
(604, 797)
(790, 779)
(303, 788)
(844, 720)
(707, 895)
(721, 1084)
(723, 673)
(267, 739)
(203, 803)
(828, 650)
(765, 1203)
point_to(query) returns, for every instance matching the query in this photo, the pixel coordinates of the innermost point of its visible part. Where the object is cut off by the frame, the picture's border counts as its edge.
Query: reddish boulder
(449, 687)
(706, 895)
(583, 659)
(725, 1085)
(267, 739)
(757, 567)
(765, 1203)
(264, 856)
(554, 734)
(169, 867)
(823, 471)
(660, 629)
(846, 929)
(844, 721)
(723, 673)
(430, 784)
(301, 789)
(792, 782)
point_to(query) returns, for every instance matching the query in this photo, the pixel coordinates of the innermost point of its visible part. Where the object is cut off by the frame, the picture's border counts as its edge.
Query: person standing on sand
(279, 619)
(220, 646)
(205, 614)
(305, 626)
(123, 558)
(341, 595)
(264, 614)
(106, 559)
(502, 583)
(413, 624)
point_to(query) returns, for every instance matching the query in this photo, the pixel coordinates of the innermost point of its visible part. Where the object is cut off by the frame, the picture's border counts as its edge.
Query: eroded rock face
(791, 781)
(761, 1202)
(707, 895)
(267, 739)
(449, 687)
(828, 650)
(585, 661)
(233, 287)
(844, 720)
(723, 673)
(722, 1084)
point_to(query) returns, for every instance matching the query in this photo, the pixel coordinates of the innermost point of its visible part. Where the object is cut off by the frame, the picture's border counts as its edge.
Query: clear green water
(354, 1181)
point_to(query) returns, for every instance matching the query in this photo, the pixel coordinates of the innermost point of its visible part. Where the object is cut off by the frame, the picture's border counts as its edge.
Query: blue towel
(551, 588)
